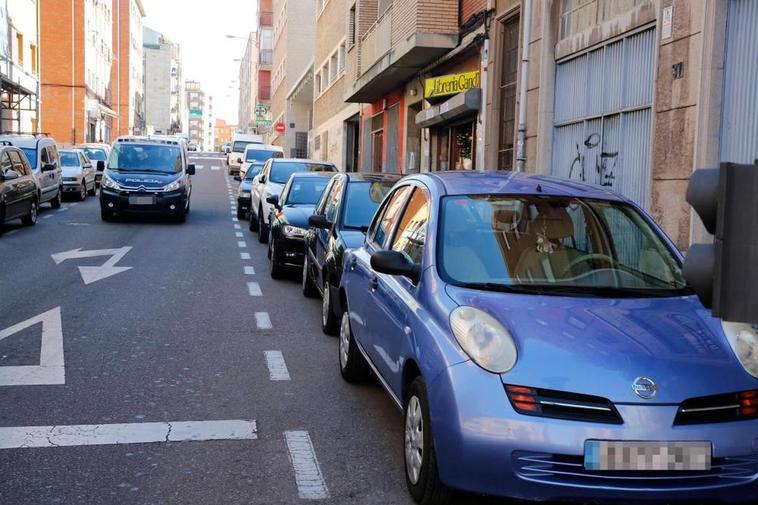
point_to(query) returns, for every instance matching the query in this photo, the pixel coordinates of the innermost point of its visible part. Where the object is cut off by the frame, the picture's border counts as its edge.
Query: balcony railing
(266, 19)
(377, 41)
(266, 57)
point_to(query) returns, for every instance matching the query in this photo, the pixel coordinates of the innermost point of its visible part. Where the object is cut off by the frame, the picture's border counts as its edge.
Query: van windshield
(240, 145)
(151, 158)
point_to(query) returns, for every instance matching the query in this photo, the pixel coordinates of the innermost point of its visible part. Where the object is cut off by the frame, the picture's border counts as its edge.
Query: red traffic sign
(280, 128)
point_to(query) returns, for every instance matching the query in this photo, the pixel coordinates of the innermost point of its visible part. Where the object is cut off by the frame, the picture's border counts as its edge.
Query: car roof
(372, 177)
(26, 140)
(515, 183)
(149, 140)
(263, 147)
(302, 160)
(305, 175)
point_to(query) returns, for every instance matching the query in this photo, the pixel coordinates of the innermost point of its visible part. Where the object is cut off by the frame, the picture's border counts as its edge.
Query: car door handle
(352, 264)
(373, 284)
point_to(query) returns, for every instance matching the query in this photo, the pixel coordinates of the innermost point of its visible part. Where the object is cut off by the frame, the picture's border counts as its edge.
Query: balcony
(266, 19)
(265, 57)
(405, 38)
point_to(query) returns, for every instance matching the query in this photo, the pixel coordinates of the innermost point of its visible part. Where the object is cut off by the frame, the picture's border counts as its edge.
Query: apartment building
(247, 84)
(209, 116)
(164, 96)
(336, 123)
(196, 110)
(128, 78)
(77, 58)
(19, 66)
(264, 45)
(294, 32)
(224, 133)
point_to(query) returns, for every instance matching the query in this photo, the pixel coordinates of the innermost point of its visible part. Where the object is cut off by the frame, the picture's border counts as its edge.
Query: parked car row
(537, 335)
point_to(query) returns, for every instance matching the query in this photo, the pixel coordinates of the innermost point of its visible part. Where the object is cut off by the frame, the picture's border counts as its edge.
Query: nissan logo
(645, 388)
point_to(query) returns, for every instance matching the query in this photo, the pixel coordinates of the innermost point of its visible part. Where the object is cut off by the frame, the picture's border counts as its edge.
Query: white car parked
(78, 173)
(257, 155)
(275, 174)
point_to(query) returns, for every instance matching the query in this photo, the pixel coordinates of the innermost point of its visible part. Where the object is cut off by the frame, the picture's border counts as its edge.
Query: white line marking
(242, 244)
(310, 482)
(249, 270)
(47, 217)
(50, 370)
(244, 256)
(238, 234)
(277, 368)
(263, 321)
(237, 227)
(73, 204)
(235, 220)
(215, 169)
(127, 433)
(63, 209)
(254, 289)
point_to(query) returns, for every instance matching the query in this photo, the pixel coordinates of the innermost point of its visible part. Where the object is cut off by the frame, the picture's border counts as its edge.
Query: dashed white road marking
(308, 477)
(215, 169)
(249, 270)
(234, 219)
(263, 321)
(126, 433)
(244, 256)
(242, 244)
(238, 234)
(47, 216)
(237, 227)
(254, 289)
(277, 368)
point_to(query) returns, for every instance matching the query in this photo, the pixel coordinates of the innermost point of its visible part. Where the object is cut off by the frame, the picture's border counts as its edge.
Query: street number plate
(141, 200)
(608, 455)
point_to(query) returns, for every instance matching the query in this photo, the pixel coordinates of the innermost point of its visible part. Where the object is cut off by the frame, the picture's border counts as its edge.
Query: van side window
(44, 158)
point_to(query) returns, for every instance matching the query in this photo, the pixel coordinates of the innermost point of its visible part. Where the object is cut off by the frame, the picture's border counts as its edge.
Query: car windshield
(95, 154)
(554, 245)
(69, 159)
(261, 155)
(31, 155)
(362, 200)
(153, 158)
(281, 172)
(240, 145)
(306, 190)
(253, 172)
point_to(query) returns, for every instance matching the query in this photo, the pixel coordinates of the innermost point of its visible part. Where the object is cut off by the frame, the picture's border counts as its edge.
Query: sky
(200, 28)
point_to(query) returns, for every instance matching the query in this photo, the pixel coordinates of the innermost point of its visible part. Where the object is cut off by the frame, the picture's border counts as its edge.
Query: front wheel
(83, 192)
(309, 287)
(353, 366)
(241, 214)
(421, 472)
(262, 229)
(58, 200)
(30, 219)
(253, 221)
(277, 269)
(329, 321)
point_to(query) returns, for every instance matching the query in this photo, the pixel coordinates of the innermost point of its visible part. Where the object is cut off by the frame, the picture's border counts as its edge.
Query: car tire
(309, 287)
(241, 214)
(277, 269)
(253, 221)
(106, 215)
(2, 218)
(30, 219)
(420, 461)
(330, 323)
(58, 200)
(353, 366)
(83, 193)
(93, 191)
(262, 228)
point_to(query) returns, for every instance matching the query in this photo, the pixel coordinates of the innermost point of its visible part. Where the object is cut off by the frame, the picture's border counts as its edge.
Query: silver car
(78, 173)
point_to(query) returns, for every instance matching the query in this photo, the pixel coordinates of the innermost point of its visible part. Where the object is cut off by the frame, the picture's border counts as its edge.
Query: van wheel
(58, 200)
(31, 218)
(93, 190)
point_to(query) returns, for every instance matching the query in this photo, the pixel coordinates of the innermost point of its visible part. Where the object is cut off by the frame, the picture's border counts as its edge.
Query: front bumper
(168, 203)
(289, 251)
(484, 446)
(244, 202)
(72, 187)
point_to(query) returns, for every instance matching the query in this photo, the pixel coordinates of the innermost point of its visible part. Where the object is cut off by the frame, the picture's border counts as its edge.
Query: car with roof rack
(41, 151)
(146, 176)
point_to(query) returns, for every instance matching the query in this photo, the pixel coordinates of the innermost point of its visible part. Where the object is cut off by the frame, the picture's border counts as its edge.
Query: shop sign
(196, 112)
(451, 84)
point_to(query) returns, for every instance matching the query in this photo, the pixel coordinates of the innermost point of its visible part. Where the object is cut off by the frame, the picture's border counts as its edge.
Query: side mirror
(272, 199)
(191, 169)
(238, 178)
(395, 263)
(100, 166)
(319, 222)
(9, 175)
(262, 179)
(48, 167)
(239, 160)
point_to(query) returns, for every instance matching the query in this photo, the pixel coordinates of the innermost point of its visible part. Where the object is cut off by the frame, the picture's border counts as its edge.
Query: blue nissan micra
(542, 344)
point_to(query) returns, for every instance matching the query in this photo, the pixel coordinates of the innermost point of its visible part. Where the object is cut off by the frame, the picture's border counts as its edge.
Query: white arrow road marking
(128, 433)
(308, 477)
(94, 274)
(50, 370)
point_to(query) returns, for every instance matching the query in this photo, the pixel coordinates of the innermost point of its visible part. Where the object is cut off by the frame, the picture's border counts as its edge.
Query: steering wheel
(586, 258)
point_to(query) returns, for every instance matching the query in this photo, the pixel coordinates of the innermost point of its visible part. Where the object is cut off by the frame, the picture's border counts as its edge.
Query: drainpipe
(73, 74)
(39, 67)
(521, 140)
(481, 132)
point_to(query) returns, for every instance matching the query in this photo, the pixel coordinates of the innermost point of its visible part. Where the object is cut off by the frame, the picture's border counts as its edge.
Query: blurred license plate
(141, 200)
(605, 455)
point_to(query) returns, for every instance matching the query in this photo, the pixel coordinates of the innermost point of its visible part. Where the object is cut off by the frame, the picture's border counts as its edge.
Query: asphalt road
(175, 338)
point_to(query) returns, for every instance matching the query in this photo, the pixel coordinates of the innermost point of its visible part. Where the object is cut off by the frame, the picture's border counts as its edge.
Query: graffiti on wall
(603, 171)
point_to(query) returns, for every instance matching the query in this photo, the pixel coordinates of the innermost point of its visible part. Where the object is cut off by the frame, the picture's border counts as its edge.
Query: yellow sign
(451, 84)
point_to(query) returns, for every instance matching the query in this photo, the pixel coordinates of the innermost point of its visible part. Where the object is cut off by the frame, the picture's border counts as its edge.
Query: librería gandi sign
(451, 84)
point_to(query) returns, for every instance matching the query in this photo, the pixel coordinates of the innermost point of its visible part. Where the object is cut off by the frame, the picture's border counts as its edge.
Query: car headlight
(177, 184)
(293, 231)
(109, 183)
(484, 339)
(743, 338)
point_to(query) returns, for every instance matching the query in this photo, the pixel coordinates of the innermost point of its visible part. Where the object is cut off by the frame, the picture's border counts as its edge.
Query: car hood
(246, 185)
(71, 171)
(297, 215)
(600, 346)
(148, 180)
(353, 239)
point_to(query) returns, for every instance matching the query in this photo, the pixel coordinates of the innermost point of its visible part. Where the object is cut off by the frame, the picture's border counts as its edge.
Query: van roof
(263, 147)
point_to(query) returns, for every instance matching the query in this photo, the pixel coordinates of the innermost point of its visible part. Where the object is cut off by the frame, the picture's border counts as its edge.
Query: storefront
(451, 118)
(382, 134)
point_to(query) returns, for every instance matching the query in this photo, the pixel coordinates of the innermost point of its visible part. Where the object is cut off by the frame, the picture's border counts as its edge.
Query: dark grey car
(18, 188)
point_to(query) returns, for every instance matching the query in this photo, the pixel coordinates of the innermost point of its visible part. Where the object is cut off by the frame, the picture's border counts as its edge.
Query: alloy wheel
(325, 305)
(305, 271)
(344, 340)
(33, 213)
(414, 439)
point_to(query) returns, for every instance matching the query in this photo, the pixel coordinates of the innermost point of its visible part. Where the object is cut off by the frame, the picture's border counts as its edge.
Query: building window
(508, 78)
(342, 57)
(333, 66)
(20, 48)
(351, 27)
(35, 62)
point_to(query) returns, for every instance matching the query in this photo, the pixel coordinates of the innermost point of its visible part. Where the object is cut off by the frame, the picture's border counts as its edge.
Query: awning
(457, 107)
(97, 110)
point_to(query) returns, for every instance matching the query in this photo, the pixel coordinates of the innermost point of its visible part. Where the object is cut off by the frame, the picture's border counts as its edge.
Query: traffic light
(725, 274)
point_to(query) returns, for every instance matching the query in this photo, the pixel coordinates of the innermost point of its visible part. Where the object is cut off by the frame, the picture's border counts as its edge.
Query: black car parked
(339, 223)
(289, 219)
(18, 188)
